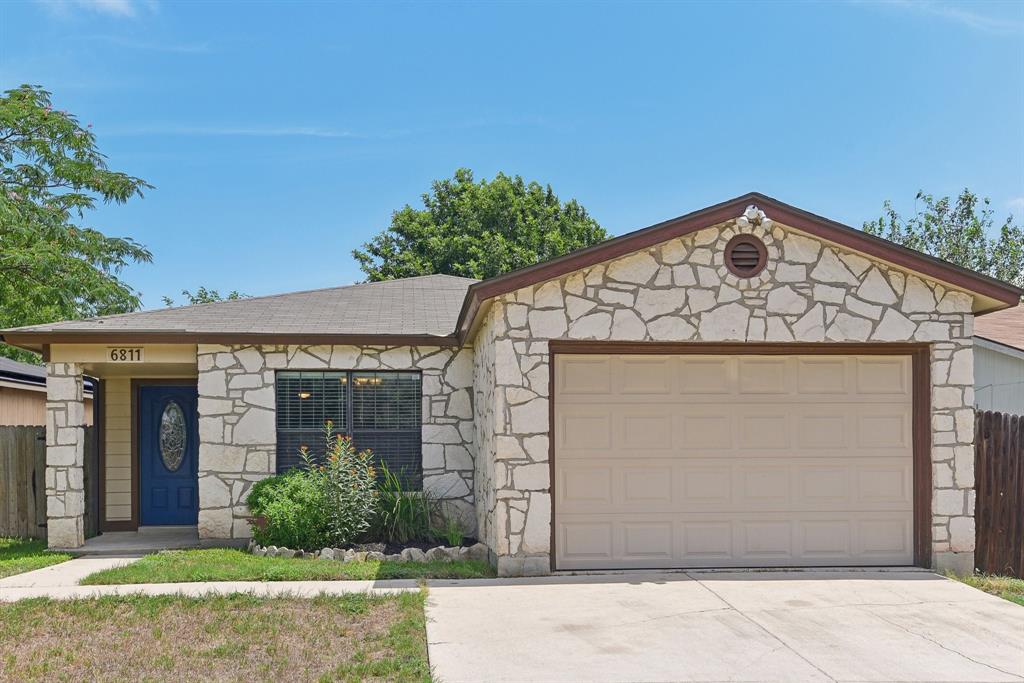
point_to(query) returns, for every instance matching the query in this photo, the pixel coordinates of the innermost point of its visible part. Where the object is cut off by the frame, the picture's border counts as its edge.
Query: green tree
(478, 229)
(958, 232)
(51, 174)
(205, 296)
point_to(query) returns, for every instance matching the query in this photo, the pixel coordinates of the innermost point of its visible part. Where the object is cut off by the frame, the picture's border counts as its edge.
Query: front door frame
(919, 353)
(136, 384)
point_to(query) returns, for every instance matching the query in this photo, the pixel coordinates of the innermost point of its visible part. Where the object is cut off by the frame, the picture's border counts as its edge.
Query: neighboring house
(23, 394)
(999, 361)
(745, 385)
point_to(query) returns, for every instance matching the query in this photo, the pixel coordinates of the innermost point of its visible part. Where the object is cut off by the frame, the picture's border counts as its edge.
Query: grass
(18, 555)
(223, 564)
(353, 637)
(1005, 587)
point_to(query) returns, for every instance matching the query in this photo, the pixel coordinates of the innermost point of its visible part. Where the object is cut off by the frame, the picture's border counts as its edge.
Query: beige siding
(998, 379)
(117, 391)
(27, 407)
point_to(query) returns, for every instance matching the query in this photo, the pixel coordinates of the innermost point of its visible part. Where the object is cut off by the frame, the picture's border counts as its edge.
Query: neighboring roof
(1004, 327)
(15, 372)
(1002, 293)
(441, 309)
(425, 307)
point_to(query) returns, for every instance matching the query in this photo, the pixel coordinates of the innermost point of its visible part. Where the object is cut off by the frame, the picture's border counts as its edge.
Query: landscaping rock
(259, 552)
(394, 558)
(477, 551)
(285, 552)
(438, 554)
(271, 551)
(349, 555)
(360, 556)
(327, 554)
(413, 555)
(375, 557)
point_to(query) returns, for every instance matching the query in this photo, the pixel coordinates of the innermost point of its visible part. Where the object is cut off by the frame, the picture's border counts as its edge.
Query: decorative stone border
(441, 553)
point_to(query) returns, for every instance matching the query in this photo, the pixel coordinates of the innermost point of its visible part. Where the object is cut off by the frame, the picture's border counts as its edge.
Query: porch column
(65, 456)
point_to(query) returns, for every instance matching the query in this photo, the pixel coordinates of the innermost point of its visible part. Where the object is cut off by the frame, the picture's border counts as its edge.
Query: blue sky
(281, 135)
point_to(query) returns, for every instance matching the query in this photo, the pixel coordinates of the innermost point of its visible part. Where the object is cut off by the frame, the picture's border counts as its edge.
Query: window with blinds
(381, 411)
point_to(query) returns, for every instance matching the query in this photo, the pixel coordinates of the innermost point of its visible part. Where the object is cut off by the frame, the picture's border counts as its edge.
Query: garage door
(732, 461)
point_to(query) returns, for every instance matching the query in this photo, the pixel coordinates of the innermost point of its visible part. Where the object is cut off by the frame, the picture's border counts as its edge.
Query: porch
(146, 491)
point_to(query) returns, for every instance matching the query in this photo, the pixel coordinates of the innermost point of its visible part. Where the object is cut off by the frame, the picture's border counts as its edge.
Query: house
(999, 361)
(747, 385)
(23, 394)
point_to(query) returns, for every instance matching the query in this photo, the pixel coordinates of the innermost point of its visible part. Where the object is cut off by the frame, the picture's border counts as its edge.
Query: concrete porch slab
(148, 539)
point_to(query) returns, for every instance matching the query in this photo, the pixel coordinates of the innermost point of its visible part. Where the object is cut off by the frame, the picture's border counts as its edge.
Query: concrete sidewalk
(60, 582)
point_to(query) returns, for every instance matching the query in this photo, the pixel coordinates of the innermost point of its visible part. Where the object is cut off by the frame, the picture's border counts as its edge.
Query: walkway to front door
(168, 454)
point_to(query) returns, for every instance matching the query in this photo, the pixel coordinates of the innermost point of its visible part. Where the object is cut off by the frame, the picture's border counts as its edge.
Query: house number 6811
(120, 354)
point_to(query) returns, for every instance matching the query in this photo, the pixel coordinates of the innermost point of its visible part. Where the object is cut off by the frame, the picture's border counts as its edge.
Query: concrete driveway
(712, 626)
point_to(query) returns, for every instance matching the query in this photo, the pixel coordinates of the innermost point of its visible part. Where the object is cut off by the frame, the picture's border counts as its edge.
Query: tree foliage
(51, 174)
(958, 232)
(205, 296)
(478, 229)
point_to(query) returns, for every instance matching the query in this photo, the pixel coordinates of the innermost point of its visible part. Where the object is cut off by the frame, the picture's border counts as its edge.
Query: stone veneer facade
(485, 408)
(238, 432)
(680, 290)
(65, 455)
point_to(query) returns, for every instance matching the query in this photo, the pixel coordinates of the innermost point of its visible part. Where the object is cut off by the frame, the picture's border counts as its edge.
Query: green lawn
(353, 637)
(222, 564)
(1006, 587)
(19, 555)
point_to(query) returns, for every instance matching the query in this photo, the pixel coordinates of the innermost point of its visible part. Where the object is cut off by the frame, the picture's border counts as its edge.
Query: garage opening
(727, 460)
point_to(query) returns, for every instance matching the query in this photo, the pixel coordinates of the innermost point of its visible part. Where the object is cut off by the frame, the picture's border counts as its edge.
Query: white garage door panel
(665, 461)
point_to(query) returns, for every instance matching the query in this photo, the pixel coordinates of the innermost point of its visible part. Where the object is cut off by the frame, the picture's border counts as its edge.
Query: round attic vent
(745, 256)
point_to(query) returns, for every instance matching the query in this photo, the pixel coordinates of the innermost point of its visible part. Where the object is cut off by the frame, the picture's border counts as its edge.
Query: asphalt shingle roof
(1005, 327)
(426, 305)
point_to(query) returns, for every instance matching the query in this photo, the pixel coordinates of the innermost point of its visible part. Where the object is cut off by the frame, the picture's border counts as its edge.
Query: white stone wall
(65, 456)
(485, 430)
(681, 291)
(238, 434)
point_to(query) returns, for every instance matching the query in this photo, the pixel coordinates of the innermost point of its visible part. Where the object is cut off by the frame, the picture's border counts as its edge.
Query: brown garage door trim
(921, 368)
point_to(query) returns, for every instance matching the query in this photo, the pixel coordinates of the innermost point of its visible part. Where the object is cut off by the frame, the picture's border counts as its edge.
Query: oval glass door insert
(172, 436)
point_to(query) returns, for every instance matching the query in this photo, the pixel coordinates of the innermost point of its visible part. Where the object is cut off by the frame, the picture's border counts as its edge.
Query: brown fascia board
(779, 212)
(35, 340)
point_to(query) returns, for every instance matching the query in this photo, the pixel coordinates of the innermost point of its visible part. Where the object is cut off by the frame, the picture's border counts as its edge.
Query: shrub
(401, 515)
(294, 507)
(349, 483)
(319, 505)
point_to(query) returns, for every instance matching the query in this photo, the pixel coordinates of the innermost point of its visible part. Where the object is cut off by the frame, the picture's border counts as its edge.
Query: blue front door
(168, 455)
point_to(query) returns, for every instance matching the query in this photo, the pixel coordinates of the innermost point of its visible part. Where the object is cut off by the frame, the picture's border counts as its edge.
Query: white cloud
(232, 131)
(958, 14)
(112, 8)
(1016, 205)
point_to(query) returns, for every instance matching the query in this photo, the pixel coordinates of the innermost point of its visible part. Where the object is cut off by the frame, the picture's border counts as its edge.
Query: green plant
(349, 484)
(328, 503)
(452, 532)
(402, 515)
(293, 508)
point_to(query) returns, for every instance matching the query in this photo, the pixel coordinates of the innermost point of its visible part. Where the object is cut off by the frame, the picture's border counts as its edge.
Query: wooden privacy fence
(23, 482)
(999, 506)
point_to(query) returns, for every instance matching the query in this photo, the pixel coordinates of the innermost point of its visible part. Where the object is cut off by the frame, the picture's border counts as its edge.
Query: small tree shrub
(322, 504)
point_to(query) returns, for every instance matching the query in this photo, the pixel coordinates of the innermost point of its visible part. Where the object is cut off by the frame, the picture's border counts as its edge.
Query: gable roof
(1004, 327)
(999, 294)
(441, 309)
(422, 308)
